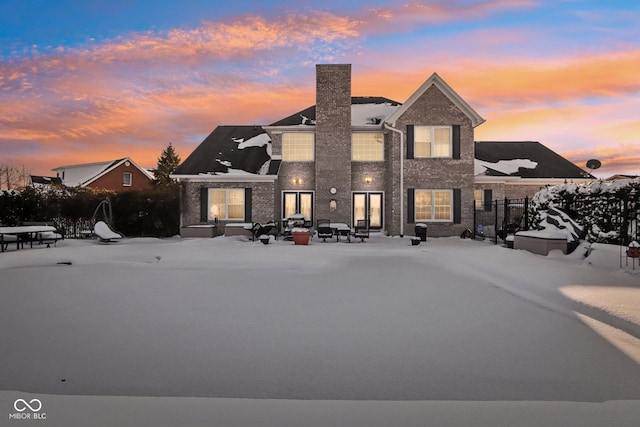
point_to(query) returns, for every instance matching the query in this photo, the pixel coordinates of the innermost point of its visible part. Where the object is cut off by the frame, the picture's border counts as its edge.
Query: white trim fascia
(368, 128)
(294, 128)
(225, 178)
(106, 171)
(437, 81)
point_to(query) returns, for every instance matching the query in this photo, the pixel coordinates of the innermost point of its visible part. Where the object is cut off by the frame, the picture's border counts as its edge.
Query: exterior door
(297, 202)
(369, 206)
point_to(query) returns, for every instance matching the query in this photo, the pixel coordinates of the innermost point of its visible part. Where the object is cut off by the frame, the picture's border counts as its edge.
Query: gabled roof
(39, 180)
(437, 81)
(81, 175)
(233, 150)
(524, 159)
(365, 111)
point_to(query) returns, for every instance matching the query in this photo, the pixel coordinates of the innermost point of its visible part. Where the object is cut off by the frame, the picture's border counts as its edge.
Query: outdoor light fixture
(297, 180)
(368, 180)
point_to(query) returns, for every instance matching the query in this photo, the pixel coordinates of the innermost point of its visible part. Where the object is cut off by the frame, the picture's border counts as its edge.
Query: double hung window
(433, 205)
(298, 146)
(367, 147)
(226, 203)
(432, 141)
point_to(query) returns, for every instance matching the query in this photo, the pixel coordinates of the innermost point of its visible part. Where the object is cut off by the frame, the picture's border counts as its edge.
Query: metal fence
(500, 218)
(607, 218)
(611, 218)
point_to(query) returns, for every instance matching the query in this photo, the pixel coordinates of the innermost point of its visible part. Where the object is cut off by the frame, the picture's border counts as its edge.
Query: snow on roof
(229, 148)
(365, 111)
(255, 141)
(505, 167)
(76, 175)
(371, 114)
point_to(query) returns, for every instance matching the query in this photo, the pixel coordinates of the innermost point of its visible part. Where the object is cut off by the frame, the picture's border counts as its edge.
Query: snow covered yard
(380, 332)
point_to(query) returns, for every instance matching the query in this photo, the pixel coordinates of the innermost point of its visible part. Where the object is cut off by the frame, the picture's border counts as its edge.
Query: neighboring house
(116, 175)
(344, 159)
(518, 169)
(621, 177)
(38, 181)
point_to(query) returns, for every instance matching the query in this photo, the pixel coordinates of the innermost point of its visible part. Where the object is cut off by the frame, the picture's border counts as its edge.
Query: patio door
(297, 202)
(369, 206)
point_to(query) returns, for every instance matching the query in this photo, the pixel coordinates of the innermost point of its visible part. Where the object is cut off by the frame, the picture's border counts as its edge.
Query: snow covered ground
(229, 332)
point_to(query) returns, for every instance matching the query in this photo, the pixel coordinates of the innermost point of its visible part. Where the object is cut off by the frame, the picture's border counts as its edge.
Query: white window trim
(373, 133)
(433, 206)
(432, 138)
(226, 202)
(124, 182)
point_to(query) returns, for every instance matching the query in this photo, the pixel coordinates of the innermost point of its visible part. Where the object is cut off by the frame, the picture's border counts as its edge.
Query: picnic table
(20, 234)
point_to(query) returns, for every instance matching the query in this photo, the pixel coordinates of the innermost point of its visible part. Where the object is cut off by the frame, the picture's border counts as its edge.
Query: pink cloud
(133, 94)
(414, 13)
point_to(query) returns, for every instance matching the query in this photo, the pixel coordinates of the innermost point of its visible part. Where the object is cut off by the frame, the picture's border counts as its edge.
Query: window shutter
(411, 211)
(457, 206)
(204, 204)
(488, 196)
(455, 140)
(410, 142)
(247, 204)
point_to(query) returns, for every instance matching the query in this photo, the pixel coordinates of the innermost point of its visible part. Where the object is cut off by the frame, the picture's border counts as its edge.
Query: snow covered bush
(608, 210)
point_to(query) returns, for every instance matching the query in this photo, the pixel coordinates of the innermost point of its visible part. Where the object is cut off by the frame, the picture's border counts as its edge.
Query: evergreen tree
(167, 164)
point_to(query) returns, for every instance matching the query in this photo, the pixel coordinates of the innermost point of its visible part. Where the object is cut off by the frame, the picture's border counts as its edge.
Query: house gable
(93, 175)
(113, 178)
(436, 81)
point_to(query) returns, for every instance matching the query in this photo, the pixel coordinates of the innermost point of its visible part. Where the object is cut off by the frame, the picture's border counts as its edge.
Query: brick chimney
(333, 141)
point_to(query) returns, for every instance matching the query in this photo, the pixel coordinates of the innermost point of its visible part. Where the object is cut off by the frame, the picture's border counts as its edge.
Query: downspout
(398, 131)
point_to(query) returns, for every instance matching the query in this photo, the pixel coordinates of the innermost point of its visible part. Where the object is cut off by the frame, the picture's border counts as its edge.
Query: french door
(369, 206)
(297, 202)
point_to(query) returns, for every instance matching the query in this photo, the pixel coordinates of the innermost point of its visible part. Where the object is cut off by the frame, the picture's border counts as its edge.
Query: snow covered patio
(458, 330)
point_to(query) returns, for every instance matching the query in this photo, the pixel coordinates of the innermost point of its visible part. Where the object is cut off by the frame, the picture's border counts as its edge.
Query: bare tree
(13, 178)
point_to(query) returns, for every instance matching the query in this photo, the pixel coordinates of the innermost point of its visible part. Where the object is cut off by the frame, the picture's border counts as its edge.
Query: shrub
(609, 211)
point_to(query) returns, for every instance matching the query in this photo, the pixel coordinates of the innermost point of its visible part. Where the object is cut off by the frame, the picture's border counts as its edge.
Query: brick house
(116, 175)
(344, 159)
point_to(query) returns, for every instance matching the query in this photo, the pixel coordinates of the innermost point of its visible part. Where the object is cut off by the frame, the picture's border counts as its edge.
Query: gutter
(398, 131)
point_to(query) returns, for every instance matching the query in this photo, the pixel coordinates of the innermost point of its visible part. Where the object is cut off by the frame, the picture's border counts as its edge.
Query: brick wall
(333, 140)
(113, 179)
(262, 206)
(433, 108)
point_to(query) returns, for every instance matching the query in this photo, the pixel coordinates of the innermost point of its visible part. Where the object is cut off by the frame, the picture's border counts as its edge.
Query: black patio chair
(324, 229)
(361, 230)
(270, 228)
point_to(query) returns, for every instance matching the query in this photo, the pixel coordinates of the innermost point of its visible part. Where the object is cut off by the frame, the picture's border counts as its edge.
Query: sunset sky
(92, 81)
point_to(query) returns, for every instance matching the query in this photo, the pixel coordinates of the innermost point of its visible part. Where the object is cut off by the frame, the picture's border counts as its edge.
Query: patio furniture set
(298, 225)
(38, 233)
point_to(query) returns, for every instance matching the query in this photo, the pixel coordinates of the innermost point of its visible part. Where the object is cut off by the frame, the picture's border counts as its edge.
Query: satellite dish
(593, 164)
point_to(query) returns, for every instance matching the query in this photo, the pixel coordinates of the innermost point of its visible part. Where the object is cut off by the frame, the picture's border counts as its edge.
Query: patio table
(17, 234)
(341, 229)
